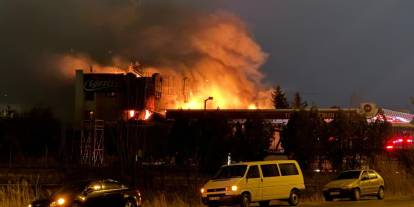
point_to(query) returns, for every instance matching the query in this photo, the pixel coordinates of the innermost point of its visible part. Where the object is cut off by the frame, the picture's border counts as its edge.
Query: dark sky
(329, 50)
(332, 50)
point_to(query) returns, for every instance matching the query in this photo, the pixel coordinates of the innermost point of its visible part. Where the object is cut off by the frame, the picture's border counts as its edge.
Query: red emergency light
(400, 142)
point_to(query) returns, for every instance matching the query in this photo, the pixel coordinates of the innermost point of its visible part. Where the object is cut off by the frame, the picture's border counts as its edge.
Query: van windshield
(232, 171)
(349, 175)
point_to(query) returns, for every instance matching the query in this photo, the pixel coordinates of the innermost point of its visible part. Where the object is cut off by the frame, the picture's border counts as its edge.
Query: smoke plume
(46, 40)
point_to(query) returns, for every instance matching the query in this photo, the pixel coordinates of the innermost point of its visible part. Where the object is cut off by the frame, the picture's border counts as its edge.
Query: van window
(231, 171)
(288, 169)
(269, 170)
(253, 172)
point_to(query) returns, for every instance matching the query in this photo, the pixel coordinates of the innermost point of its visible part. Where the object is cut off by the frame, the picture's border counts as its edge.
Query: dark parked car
(92, 193)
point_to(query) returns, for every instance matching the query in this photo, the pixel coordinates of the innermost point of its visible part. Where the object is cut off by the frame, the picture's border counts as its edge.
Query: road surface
(388, 202)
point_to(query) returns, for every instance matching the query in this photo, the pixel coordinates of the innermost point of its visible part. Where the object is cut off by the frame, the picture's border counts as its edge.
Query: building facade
(114, 97)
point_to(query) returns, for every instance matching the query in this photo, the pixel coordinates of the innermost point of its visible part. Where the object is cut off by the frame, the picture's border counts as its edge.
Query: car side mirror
(364, 178)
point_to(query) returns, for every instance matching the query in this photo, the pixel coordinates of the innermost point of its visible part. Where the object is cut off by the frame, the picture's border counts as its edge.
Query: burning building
(113, 97)
(114, 102)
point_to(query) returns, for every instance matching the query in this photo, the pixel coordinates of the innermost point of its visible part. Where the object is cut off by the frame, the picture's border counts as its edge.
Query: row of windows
(271, 170)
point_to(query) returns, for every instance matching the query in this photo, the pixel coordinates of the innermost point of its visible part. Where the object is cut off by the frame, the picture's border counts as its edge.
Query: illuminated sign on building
(101, 82)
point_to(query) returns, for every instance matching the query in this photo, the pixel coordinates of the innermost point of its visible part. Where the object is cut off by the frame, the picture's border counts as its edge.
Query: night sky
(333, 52)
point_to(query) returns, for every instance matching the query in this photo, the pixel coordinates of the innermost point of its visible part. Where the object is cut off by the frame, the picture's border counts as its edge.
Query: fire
(217, 57)
(252, 106)
(131, 113)
(222, 99)
(228, 68)
(147, 114)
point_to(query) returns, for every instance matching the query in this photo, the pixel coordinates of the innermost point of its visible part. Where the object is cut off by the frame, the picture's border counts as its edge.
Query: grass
(15, 195)
(163, 199)
(398, 183)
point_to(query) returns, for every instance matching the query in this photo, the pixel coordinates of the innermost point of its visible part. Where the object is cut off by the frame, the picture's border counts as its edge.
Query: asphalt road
(388, 202)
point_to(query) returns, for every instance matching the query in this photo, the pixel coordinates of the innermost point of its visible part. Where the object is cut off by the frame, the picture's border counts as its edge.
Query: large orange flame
(220, 60)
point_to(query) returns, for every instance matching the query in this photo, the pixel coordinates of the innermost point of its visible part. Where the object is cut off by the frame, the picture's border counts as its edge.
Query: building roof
(396, 117)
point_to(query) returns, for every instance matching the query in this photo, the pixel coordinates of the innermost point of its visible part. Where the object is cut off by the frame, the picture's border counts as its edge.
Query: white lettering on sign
(95, 85)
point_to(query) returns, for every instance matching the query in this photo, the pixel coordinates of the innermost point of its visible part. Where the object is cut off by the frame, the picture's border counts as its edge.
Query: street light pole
(205, 102)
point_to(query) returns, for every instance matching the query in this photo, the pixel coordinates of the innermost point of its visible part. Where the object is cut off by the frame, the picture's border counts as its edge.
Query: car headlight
(202, 190)
(82, 198)
(30, 205)
(96, 187)
(61, 201)
(58, 202)
(234, 188)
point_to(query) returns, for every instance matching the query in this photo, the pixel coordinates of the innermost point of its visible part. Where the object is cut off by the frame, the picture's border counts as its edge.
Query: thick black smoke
(36, 34)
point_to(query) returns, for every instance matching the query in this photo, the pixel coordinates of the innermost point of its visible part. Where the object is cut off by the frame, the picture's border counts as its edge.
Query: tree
(297, 102)
(39, 131)
(301, 137)
(377, 134)
(349, 141)
(253, 140)
(279, 98)
(338, 147)
(204, 141)
(213, 142)
(180, 141)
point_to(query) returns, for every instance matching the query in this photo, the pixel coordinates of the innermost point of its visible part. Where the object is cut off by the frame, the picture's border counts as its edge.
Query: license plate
(214, 198)
(334, 193)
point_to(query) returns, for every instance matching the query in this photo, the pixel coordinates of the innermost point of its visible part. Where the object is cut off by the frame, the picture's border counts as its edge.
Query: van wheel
(294, 198)
(264, 203)
(380, 194)
(356, 194)
(245, 200)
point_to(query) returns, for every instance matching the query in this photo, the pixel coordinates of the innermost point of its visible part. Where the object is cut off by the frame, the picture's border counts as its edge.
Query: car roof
(89, 181)
(261, 162)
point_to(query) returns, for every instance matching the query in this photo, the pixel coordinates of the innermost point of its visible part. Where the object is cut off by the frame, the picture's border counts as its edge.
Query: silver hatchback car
(354, 184)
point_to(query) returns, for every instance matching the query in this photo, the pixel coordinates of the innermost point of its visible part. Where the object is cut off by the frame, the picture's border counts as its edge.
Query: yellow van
(260, 181)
